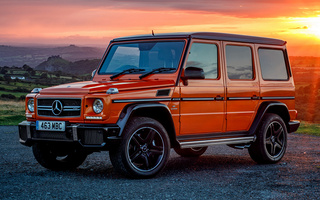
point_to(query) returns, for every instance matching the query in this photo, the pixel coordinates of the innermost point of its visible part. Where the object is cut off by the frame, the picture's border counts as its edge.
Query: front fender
(143, 110)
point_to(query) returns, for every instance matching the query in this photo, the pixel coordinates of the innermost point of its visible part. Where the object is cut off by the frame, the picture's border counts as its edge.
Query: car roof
(206, 35)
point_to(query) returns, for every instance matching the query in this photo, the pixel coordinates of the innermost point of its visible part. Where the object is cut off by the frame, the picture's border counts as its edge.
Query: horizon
(303, 51)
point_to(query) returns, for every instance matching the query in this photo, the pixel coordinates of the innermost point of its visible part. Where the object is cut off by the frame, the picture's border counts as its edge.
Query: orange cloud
(98, 21)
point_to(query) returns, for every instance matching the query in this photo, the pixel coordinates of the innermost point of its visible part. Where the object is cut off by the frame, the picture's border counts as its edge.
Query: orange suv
(152, 93)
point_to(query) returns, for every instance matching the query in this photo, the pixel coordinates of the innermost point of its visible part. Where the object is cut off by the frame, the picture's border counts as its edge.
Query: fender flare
(282, 111)
(132, 109)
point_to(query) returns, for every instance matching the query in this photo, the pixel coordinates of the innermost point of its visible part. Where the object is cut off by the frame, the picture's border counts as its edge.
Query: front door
(203, 101)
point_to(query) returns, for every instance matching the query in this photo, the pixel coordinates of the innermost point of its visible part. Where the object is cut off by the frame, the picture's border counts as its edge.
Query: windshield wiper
(127, 71)
(158, 70)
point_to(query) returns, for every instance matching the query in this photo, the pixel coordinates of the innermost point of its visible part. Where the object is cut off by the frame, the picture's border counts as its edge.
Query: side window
(205, 56)
(273, 65)
(239, 62)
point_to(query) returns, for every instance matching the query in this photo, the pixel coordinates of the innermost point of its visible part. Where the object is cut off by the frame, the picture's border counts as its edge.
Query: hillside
(306, 72)
(33, 56)
(53, 63)
(57, 63)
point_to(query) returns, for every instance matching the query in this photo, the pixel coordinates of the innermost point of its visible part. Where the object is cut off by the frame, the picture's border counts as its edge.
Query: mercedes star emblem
(57, 107)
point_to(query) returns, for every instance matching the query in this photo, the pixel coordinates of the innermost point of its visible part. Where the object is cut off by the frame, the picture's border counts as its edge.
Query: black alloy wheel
(275, 139)
(144, 149)
(271, 143)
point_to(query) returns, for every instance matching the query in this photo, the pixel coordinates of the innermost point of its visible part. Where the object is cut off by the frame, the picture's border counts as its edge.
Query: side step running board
(203, 143)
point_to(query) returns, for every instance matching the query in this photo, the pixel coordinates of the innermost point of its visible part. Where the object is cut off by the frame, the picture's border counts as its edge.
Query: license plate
(50, 126)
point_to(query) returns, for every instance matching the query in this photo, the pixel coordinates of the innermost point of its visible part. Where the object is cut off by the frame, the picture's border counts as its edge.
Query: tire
(271, 142)
(191, 152)
(56, 157)
(144, 149)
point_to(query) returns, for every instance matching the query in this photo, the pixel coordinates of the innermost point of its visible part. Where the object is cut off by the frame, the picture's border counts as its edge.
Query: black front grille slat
(71, 107)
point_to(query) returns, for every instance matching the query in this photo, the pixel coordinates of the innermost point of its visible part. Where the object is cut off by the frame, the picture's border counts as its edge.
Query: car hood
(88, 87)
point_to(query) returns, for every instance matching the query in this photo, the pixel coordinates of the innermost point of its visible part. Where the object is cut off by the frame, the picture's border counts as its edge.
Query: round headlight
(31, 105)
(97, 106)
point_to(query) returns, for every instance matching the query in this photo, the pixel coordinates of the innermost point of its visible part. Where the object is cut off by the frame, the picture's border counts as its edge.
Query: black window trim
(216, 43)
(254, 73)
(286, 60)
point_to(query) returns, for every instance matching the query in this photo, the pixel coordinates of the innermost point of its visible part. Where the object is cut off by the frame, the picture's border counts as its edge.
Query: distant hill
(54, 63)
(84, 66)
(57, 63)
(33, 56)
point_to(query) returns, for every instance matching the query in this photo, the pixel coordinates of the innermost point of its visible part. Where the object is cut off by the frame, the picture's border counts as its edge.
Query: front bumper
(87, 135)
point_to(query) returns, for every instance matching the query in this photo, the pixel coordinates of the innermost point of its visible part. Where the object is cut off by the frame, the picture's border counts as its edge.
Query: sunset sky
(95, 22)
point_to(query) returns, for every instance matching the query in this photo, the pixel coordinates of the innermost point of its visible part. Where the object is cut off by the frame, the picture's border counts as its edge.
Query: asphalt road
(221, 173)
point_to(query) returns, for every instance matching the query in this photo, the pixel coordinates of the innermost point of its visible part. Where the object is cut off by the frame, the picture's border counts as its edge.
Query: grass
(12, 112)
(309, 128)
(25, 85)
(9, 88)
(16, 94)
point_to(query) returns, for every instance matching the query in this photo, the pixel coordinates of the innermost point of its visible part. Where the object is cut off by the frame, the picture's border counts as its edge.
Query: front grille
(70, 107)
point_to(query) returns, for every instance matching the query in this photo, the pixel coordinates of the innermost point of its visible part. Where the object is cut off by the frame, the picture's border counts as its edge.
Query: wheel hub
(144, 148)
(273, 140)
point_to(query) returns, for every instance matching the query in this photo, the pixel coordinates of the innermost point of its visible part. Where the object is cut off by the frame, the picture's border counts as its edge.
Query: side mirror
(193, 73)
(93, 73)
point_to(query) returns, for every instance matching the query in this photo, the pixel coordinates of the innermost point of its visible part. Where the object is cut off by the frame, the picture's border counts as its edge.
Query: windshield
(146, 56)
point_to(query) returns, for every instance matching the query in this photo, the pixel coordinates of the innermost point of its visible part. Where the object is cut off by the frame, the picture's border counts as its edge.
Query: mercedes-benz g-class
(151, 93)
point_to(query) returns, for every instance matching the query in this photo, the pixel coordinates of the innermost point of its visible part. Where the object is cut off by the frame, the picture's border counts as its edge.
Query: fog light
(28, 116)
(93, 117)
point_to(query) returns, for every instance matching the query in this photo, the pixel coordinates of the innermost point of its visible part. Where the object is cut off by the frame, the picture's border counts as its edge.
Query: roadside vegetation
(309, 128)
(17, 82)
(12, 112)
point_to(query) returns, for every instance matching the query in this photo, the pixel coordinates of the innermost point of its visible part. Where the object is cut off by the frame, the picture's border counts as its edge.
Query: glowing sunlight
(314, 25)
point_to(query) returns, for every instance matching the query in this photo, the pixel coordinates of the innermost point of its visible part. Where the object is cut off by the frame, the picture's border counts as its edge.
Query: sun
(313, 24)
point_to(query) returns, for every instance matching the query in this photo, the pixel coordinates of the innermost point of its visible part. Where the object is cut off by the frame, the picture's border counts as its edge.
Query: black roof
(206, 35)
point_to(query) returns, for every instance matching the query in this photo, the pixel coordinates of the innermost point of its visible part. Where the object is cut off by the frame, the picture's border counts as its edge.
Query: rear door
(242, 85)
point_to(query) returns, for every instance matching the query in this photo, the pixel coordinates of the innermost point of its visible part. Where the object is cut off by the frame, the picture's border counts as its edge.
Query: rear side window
(273, 65)
(205, 56)
(239, 62)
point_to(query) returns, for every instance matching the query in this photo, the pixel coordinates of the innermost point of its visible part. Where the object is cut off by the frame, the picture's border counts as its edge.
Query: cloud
(96, 21)
(239, 8)
(300, 27)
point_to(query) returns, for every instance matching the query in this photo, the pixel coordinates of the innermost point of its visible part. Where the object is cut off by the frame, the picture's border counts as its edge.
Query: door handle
(255, 97)
(219, 98)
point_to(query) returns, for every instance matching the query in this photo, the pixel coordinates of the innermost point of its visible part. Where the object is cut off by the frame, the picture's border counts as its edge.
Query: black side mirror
(193, 73)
